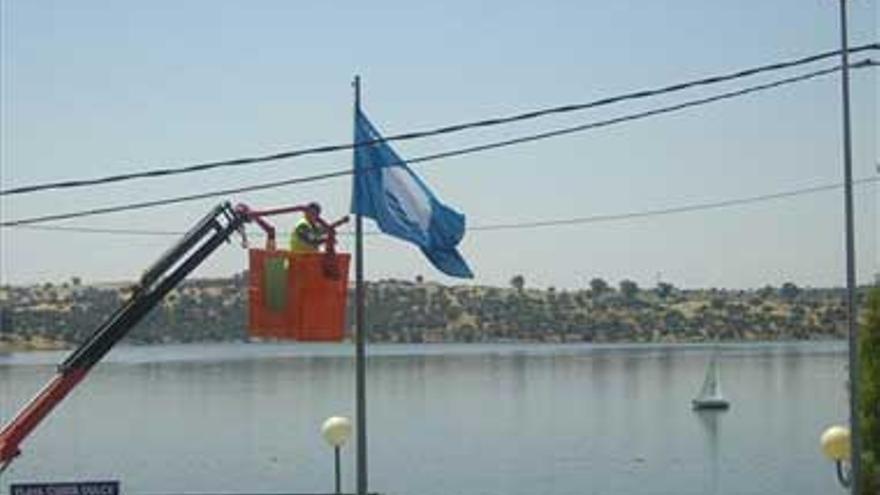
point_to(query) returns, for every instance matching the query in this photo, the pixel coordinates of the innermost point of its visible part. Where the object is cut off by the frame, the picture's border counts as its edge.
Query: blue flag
(386, 190)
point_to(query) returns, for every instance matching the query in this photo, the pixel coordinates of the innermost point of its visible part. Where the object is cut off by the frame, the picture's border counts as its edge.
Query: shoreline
(44, 345)
(33, 345)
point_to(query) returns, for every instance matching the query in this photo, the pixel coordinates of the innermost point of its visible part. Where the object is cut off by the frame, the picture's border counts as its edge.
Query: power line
(169, 201)
(437, 156)
(237, 162)
(528, 225)
(672, 210)
(640, 115)
(98, 230)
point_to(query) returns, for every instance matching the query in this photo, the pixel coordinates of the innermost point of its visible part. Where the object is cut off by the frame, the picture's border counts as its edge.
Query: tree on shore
(598, 286)
(629, 289)
(664, 290)
(518, 282)
(869, 403)
(789, 291)
(766, 291)
(5, 320)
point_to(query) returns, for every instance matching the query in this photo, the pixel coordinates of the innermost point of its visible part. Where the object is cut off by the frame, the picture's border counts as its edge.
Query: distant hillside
(51, 315)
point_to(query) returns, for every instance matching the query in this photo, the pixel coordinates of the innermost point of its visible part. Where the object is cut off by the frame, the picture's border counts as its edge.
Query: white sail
(712, 383)
(710, 396)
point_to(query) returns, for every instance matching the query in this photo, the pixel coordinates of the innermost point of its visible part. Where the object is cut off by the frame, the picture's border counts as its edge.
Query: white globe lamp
(836, 445)
(336, 430)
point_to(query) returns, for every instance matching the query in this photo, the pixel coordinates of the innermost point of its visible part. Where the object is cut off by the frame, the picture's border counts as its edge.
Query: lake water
(442, 419)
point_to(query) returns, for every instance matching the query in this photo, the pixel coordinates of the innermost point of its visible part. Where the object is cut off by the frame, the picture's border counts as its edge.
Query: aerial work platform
(298, 296)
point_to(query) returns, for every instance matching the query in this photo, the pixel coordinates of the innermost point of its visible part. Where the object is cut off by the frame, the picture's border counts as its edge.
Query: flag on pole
(389, 192)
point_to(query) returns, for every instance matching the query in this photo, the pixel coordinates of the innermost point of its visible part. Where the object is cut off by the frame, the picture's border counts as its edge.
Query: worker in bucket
(308, 234)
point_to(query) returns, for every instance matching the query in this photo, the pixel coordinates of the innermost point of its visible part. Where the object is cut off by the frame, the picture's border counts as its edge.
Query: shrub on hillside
(869, 407)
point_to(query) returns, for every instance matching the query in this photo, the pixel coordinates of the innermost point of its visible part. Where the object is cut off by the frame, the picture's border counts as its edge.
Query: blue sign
(75, 488)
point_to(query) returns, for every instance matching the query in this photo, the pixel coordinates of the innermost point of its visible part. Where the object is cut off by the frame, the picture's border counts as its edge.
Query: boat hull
(717, 404)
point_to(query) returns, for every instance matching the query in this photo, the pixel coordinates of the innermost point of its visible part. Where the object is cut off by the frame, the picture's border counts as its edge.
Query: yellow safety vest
(298, 245)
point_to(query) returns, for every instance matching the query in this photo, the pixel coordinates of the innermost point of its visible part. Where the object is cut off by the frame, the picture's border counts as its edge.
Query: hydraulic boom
(171, 268)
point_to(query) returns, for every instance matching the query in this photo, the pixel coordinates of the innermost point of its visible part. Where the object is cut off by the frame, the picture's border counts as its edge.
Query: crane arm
(168, 271)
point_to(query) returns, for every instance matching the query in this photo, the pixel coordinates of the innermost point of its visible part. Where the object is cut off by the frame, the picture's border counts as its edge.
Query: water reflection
(519, 372)
(666, 363)
(711, 423)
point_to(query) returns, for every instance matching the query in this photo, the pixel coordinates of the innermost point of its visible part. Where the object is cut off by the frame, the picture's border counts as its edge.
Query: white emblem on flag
(411, 204)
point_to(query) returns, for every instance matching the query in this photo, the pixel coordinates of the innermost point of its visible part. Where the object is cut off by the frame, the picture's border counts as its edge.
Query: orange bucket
(296, 297)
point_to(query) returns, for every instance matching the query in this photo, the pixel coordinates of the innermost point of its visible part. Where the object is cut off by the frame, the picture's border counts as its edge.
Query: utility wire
(528, 225)
(446, 154)
(640, 115)
(174, 200)
(671, 210)
(433, 132)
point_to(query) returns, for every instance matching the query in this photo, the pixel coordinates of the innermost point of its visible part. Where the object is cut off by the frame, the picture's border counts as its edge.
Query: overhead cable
(237, 162)
(640, 115)
(437, 156)
(525, 225)
(671, 210)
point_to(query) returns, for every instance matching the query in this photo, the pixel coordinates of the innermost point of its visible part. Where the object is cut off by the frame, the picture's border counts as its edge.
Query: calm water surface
(443, 419)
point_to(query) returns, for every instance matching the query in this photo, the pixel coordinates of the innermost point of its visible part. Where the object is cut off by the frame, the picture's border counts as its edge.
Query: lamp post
(835, 443)
(336, 430)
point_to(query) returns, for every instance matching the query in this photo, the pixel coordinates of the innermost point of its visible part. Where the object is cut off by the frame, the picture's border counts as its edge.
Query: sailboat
(710, 395)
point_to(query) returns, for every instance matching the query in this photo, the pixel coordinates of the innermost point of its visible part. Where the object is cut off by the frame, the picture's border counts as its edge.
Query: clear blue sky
(97, 88)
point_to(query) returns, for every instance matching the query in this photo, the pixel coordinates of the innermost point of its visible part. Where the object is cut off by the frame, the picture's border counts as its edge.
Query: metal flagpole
(360, 337)
(855, 430)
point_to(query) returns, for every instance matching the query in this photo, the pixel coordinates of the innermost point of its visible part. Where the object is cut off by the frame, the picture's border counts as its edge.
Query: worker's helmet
(314, 208)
